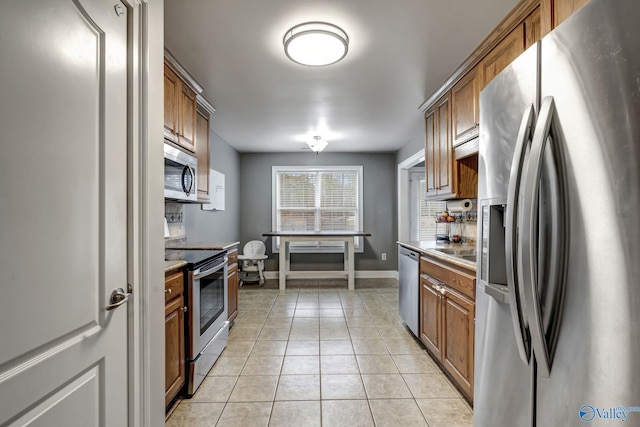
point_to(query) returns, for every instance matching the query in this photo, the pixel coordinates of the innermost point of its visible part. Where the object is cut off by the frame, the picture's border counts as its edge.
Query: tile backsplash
(174, 214)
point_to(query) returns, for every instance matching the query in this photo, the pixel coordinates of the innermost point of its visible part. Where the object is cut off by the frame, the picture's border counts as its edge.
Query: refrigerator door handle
(512, 243)
(544, 337)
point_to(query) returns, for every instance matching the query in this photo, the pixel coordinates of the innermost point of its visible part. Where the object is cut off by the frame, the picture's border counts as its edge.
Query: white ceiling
(400, 52)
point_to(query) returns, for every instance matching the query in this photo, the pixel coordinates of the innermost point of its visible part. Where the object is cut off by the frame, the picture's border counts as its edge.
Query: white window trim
(358, 241)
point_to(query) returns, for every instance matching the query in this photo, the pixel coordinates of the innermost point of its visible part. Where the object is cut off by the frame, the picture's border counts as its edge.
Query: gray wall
(412, 146)
(379, 211)
(218, 226)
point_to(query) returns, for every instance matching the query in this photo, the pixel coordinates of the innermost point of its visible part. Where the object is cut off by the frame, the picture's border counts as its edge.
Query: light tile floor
(320, 355)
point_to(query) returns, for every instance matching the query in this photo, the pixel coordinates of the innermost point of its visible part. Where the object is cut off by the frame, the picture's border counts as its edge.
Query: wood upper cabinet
(175, 358)
(458, 313)
(565, 8)
(202, 154)
(465, 102)
(171, 96)
(187, 105)
(232, 284)
(532, 28)
(446, 177)
(503, 54)
(555, 11)
(430, 152)
(179, 111)
(439, 164)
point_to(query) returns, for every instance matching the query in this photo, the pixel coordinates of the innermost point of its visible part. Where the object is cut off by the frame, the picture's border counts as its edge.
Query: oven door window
(211, 299)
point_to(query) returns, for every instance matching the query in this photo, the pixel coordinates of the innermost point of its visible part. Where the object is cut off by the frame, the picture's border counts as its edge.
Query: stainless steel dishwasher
(409, 287)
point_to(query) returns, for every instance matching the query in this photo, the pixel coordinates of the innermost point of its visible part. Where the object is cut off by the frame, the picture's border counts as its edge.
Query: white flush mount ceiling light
(315, 44)
(317, 145)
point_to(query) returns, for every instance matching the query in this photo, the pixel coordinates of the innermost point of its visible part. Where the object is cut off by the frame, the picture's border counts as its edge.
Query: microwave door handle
(512, 249)
(187, 171)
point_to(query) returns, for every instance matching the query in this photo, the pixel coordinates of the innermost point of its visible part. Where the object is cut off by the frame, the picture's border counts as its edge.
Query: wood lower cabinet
(447, 313)
(174, 329)
(430, 316)
(232, 284)
(458, 313)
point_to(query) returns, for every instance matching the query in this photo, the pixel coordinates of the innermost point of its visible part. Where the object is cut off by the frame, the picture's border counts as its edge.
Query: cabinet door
(465, 100)
(446, 179)
(430, 316)
(532, 28)
(171, 91)
(232, 285)
(202, 154)
(187, 108)
(565, 8)
(457, 346)
(430, 162)
(503, 54)
(174, 348)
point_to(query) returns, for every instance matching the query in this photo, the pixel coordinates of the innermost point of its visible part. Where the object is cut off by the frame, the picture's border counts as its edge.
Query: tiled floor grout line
(380, 307)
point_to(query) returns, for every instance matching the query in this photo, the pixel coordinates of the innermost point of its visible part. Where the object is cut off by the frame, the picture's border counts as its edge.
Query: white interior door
(63, 212)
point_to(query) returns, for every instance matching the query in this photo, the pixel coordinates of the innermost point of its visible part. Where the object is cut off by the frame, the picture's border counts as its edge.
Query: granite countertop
(201, 245)
(172, 265)
(429, 248)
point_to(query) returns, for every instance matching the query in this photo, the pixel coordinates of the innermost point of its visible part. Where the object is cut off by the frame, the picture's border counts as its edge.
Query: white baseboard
(360, 274)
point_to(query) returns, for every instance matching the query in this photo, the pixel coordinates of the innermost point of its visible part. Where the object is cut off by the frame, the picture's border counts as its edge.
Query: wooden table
(286, 237)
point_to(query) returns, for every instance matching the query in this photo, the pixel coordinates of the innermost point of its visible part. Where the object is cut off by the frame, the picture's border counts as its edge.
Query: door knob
(118, 297)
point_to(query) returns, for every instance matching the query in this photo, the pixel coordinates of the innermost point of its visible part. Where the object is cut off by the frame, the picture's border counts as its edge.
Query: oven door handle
(199, 274)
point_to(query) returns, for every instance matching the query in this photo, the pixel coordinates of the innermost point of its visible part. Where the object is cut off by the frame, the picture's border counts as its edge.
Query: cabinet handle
(167, 291)
(184, 309)
(443, 291)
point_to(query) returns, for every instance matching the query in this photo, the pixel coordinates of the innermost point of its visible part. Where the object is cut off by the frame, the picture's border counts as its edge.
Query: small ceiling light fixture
(317, 145)
(315, 44)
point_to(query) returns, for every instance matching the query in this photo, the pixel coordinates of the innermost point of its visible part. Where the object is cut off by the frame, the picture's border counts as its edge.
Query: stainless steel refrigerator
(558, 285)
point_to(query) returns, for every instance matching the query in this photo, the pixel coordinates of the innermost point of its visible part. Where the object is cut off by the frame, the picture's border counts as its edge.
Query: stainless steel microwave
(179, 175)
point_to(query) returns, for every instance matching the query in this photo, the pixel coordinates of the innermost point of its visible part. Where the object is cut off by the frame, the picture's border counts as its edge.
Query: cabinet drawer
(173, 285)
(458, 280)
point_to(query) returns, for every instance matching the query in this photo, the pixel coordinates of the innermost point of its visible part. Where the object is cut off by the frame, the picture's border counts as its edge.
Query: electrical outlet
(384, 256)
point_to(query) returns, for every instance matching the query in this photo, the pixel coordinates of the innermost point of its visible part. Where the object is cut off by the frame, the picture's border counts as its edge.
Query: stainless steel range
(207, 324)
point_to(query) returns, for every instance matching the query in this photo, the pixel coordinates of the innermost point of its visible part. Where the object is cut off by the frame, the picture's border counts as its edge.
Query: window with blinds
(317, 199)
(427, 213)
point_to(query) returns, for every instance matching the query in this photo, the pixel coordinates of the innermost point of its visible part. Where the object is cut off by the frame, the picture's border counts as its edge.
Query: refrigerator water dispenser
(493, 270)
